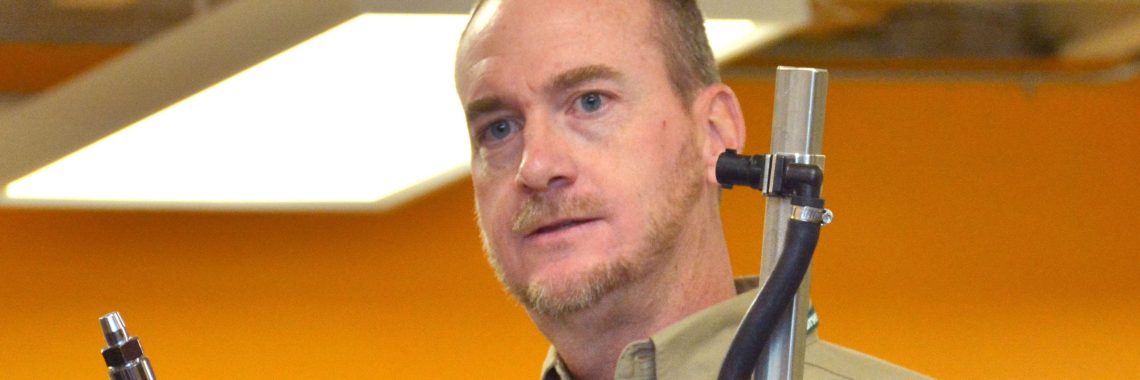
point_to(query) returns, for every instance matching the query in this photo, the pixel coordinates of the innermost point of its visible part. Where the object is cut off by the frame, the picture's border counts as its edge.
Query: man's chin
(562, 294)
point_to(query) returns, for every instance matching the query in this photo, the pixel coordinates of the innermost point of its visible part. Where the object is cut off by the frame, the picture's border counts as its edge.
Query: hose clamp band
(808, 214)
(808, 159)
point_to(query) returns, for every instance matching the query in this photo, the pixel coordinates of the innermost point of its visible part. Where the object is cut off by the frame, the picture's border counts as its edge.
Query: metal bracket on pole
(797, 130)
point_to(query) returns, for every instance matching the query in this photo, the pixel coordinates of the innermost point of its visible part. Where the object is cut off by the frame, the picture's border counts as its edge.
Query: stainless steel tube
(797, 129)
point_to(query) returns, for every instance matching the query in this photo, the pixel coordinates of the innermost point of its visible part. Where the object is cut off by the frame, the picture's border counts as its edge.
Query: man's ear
(718, 113)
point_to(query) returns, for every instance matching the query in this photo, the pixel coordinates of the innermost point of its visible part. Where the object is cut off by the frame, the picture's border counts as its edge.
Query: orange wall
(982, 231)
(30, 68)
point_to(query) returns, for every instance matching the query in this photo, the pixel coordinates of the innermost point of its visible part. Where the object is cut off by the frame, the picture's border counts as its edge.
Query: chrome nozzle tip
(114, 330)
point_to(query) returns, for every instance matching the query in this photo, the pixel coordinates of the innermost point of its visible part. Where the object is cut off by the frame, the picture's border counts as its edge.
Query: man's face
(585, 162)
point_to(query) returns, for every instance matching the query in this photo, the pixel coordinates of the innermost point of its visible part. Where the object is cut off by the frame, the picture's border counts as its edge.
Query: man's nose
(547, 159)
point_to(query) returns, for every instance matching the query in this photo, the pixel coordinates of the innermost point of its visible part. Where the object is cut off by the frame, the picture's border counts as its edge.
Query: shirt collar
(671, 350)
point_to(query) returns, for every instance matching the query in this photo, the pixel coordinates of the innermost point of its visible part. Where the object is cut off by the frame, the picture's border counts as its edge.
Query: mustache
(544, 208)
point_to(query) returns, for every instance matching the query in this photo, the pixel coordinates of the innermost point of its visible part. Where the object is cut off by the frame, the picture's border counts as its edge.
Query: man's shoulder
(824, 360)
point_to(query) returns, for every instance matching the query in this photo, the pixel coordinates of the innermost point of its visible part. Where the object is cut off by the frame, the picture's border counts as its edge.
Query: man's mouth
(559, 226)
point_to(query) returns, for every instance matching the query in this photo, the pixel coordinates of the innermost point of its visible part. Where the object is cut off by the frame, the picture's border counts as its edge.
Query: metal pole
(797, 129)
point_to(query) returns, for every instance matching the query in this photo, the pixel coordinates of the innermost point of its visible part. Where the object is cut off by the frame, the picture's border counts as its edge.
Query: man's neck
(697, 275)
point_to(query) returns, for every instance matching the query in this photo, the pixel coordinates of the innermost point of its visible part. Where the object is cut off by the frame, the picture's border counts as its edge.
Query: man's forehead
(491, 13)
(545, 36)
(506, 24)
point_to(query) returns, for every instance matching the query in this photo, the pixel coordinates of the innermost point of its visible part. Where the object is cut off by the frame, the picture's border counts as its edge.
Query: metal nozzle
(123, 355)
(114, 330)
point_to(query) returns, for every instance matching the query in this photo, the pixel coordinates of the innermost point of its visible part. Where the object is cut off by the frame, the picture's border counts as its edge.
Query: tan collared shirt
(694, 348)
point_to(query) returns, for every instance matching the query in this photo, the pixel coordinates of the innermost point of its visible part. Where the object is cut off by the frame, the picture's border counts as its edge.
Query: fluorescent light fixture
(344, 117)
(729, 38)
(361, 115)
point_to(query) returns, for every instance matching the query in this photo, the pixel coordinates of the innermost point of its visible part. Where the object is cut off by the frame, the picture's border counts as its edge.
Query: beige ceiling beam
(93, 5)
(1116, 41)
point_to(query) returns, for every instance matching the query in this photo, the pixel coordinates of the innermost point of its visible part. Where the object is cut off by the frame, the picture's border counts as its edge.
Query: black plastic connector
(734, 169)
(772, 174)
(803, 183)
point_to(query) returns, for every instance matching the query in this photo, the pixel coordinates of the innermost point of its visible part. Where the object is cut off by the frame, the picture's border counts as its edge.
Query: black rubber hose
(773, 300)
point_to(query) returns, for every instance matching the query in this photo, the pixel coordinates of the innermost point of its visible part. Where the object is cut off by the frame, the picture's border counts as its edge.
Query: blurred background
(982, 165)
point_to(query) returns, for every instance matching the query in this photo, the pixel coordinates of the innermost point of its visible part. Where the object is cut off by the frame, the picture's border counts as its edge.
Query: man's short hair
(680, 29)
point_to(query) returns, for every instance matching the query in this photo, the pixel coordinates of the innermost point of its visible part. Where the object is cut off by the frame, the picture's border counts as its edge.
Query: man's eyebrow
(576, 76)
(483, 105)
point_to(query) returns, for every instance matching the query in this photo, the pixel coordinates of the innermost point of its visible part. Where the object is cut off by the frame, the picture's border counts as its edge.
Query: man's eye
(499, 130)
(591, 102)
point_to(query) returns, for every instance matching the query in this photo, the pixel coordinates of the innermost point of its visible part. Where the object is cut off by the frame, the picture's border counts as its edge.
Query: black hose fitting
(802, 180)
(734, 169)
(772, 174)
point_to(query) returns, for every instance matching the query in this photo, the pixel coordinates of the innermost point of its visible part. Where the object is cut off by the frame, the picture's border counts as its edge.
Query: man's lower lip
(555, 233)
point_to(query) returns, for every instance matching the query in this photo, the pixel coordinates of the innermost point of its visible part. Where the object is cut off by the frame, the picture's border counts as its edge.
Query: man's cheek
(500, 228)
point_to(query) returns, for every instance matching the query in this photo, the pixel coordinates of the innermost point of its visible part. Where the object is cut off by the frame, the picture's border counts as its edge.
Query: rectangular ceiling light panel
(358, 113)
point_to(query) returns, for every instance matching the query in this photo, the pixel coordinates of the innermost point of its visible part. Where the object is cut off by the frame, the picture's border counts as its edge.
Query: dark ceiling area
(1012, 40)
(878, 38)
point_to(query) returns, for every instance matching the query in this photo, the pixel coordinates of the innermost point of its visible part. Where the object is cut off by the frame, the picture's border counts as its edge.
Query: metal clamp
(774, 174)
(808, 214)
